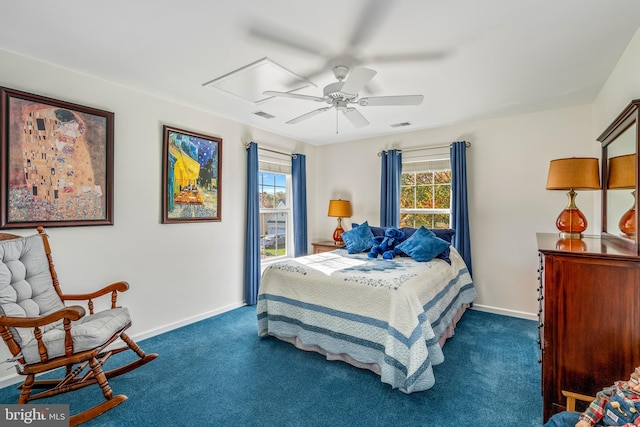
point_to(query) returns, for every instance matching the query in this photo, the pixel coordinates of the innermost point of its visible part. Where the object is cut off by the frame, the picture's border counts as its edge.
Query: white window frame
(279, 164)
(427, 162)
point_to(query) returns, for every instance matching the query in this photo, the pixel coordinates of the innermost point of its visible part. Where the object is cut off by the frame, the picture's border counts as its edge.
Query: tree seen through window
(425, 199)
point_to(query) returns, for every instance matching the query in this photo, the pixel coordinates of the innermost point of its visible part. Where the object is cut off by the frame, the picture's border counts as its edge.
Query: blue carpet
(217, 372)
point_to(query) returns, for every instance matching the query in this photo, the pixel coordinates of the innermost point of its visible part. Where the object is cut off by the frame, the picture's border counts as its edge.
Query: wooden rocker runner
(44, 334)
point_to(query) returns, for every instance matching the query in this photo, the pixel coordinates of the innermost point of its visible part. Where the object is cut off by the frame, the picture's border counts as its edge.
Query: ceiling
(470, 59)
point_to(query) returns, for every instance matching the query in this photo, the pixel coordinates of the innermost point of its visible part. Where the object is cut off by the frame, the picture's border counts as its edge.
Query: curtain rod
(246, 146)
(432, 147)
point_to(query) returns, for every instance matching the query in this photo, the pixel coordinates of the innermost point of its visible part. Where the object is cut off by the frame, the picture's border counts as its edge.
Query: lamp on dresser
(575, 173)
(340, 209)
(622, 175)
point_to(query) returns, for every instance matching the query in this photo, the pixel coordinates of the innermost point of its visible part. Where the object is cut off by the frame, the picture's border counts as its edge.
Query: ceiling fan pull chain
(336, 121)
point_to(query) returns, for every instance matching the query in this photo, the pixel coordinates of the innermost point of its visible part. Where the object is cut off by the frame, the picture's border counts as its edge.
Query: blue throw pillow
(358, 239)
(423, 245)
(443, 233)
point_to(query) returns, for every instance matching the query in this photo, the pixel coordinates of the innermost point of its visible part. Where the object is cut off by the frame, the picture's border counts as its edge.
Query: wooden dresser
(589, 316)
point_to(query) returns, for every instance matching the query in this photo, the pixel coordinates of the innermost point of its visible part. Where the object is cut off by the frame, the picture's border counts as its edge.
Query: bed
(389, 316)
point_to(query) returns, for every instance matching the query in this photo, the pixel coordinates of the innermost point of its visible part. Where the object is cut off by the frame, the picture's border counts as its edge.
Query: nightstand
(329, 245)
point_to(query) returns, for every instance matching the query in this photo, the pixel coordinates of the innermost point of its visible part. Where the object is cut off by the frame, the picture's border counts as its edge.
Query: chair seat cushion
(88, 333)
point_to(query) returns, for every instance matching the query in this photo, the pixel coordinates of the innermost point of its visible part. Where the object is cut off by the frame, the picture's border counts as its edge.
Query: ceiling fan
(367, 23)
(343, 93)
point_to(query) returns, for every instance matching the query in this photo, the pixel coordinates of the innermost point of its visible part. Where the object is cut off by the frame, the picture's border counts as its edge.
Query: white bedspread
(385, 312)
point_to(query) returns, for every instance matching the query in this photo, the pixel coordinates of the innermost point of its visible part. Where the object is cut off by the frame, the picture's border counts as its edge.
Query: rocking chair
(43, 334)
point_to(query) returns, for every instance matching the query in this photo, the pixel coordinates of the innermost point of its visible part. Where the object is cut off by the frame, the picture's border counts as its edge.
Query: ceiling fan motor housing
(334, 91)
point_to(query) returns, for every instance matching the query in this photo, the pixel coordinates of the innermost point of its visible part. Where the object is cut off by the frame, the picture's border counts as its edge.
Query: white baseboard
(15, 378)
(193, 319)
(505, 312)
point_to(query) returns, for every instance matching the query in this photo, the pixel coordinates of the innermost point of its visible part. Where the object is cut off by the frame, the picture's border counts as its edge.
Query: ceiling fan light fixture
(346, 91)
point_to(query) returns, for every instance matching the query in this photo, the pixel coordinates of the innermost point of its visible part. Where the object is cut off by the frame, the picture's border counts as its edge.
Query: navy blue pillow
(358, 239)
(445, 255)
(444, 233)
(423, 245)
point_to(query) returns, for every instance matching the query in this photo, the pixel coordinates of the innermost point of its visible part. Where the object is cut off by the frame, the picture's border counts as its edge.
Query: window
(425, 194)
(274, 186)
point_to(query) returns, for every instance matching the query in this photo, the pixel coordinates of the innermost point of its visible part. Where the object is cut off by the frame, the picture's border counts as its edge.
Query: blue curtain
(459, 205)
(391, 173)
(299, 190)
(252, 245)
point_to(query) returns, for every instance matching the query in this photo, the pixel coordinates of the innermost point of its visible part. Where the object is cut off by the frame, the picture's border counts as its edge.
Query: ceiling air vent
(400, 125)
(263, 114)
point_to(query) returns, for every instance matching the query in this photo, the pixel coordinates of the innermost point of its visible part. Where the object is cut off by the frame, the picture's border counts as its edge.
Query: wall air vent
(263, 114)
(400, 125)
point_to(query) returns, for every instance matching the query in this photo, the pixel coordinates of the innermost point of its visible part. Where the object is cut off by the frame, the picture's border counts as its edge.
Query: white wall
(507, 167)
(178, 272)
(621, 88)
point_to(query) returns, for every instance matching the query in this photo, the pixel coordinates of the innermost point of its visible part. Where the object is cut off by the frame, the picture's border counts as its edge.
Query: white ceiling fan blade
(277, 35)
(294, 96)
(308, 115)
(357, 79)
(375, 101)
(355, 117)
(369, 21)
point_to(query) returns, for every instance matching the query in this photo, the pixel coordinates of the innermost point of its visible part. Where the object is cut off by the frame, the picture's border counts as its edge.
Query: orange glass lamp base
(571, 222)
(337, 233)
(627, 223)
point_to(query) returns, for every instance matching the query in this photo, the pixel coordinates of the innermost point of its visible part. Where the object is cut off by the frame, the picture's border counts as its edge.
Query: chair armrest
(572, 397)
(114, 287)
(73, 312)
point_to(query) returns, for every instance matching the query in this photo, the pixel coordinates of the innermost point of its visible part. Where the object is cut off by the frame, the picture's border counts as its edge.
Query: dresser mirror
(620, 178)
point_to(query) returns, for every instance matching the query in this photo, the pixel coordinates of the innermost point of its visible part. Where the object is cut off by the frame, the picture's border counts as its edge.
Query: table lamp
(622, 175)
(340, 209)
(575, 173)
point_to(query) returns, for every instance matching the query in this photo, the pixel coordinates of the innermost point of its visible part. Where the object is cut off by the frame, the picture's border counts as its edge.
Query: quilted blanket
(385, 312)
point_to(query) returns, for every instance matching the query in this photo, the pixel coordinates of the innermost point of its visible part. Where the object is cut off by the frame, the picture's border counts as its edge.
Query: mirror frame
(628, 117)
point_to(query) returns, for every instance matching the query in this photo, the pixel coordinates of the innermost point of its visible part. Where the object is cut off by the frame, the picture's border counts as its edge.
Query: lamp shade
(339, 208)
(575, 173)
(622, 172)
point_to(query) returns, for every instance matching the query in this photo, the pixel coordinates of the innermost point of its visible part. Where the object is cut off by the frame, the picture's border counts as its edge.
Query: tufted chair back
(26, 285)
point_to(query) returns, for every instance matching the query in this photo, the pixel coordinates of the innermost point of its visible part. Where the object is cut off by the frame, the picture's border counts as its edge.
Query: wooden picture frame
(191, 176)
(56, 162)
